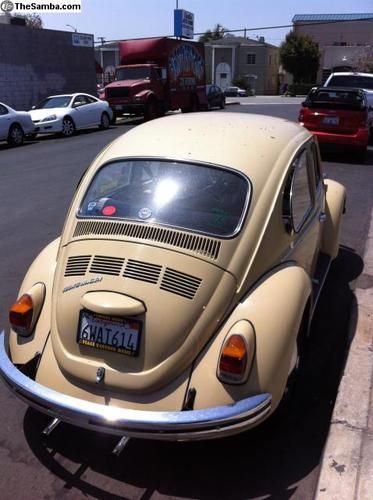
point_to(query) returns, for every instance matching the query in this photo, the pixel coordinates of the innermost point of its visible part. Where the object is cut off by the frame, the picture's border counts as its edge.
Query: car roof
(341, 89)
(70, 95)
(354, 73)
(252, 144)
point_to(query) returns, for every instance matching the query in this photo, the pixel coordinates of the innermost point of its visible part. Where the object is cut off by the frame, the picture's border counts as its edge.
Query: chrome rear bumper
(166, 425)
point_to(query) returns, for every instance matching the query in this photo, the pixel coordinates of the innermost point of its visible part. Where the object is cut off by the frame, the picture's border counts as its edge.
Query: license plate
(118, 108)
(331, 120)
(109, 334)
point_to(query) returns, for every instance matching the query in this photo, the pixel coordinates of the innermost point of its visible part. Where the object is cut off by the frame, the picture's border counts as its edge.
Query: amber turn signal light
(21, 314)
(233, 359)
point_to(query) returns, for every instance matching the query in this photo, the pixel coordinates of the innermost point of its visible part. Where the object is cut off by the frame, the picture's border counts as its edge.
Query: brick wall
(37, 63)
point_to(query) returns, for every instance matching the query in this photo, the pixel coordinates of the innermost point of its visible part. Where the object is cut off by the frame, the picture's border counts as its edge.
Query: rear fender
(334, 208)
(23, 349)
(274, 310)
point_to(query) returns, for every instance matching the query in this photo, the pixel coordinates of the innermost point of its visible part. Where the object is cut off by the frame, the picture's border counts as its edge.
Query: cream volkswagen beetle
(176, 300)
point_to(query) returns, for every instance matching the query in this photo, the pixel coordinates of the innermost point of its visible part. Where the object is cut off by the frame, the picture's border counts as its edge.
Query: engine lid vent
(143, 271)
(180, 283)
(202, 245)
(106, 265)
(77, 265)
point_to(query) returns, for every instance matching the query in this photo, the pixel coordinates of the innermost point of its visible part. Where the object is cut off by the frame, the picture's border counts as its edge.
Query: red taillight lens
(21, 314)
(233, 359)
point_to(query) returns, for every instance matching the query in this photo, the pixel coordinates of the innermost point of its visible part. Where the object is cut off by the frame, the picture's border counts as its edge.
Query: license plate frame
(118, 107)
(330, 120)
(123, 338)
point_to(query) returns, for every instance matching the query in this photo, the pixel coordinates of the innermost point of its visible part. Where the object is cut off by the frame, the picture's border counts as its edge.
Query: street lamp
(73, 27)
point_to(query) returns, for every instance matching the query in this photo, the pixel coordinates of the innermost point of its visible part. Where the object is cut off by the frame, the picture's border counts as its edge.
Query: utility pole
(102, 39)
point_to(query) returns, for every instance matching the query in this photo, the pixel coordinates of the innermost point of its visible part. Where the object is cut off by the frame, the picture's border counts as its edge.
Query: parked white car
(14, 125)
(69, 112)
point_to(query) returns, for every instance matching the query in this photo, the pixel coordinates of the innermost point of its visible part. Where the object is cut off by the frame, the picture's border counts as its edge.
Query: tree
(300, 56)
(217, 33)
(32, 20)
(363, 61)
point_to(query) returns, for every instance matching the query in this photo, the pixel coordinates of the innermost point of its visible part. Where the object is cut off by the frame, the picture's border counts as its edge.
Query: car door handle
(322, 217)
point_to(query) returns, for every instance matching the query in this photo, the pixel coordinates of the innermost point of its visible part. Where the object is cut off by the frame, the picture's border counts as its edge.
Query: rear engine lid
(139, 312)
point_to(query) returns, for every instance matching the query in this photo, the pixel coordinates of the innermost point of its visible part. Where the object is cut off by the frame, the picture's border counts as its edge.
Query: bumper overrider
(165, 425)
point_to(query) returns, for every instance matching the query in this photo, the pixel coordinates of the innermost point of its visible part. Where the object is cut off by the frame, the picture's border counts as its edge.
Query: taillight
(24, 313)
(237, 354)
(21, 313)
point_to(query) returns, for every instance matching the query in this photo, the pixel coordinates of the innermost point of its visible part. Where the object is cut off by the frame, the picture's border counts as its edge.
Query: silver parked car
(14, 125)
(235, 92)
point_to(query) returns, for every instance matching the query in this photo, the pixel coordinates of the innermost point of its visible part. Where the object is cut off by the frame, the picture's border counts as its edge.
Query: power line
(261, 28)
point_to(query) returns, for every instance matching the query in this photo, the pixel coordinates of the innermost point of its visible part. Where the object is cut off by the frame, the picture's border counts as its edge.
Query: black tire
(105, 121)
(114, 119)
(194, 106)
(68, 127)
(362, 155)
(222, 103)
(15, 135)
(151, 110)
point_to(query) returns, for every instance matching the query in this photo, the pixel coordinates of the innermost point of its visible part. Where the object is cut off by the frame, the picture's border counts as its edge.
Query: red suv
(337, 116)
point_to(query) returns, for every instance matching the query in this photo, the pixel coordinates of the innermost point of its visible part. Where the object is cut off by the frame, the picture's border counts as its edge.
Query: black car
(215, 97)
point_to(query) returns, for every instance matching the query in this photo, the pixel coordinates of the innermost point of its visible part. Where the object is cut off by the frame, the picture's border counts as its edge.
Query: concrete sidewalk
(347, 465)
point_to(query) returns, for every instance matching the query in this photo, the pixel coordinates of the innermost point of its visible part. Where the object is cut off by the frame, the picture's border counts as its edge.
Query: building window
(251, 58)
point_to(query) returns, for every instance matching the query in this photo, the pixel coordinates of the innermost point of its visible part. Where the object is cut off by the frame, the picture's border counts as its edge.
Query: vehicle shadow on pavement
(268, 461)
(341, 156)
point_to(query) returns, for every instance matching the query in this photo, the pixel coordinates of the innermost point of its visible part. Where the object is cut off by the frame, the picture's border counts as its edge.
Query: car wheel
(16, 135)
(68, 127)
(105, 121)
(362, 154)
(151, 110)
(222, 104)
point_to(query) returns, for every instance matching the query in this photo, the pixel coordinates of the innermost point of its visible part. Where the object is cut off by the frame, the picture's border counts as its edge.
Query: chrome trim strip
(167, 425)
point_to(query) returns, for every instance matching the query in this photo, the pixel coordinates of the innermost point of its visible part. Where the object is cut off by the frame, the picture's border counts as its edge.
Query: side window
(90, 100)
(3, 110)
(79, 101)
(301, 200)
(314, 157)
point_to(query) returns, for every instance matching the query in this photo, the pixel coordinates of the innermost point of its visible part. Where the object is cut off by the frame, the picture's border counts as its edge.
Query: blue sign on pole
(183, 23)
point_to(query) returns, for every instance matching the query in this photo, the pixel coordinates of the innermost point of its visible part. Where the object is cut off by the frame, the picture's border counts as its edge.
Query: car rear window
(336, 99)
(194, 197)
(357, 81)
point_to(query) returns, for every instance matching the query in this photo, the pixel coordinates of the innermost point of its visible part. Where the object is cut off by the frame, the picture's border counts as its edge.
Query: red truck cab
(158, 75)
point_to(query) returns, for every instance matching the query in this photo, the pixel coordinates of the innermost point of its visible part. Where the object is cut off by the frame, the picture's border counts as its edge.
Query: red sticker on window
(109, 210)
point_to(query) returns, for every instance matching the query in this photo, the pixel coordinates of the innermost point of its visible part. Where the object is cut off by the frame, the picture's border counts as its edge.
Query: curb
(347, 462)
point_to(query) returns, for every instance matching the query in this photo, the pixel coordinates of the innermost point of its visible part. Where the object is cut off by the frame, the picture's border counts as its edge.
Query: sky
(121, 19)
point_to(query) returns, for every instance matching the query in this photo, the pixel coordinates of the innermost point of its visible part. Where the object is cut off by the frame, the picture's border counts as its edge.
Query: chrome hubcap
(67, 127)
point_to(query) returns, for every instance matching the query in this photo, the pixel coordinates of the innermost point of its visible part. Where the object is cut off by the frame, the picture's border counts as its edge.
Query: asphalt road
(278, 460)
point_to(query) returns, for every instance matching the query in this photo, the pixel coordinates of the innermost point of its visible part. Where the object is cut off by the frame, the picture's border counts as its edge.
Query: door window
(298, 198)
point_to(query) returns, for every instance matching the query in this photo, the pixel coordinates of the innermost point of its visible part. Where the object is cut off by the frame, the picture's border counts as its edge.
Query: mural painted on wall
(186, 66)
